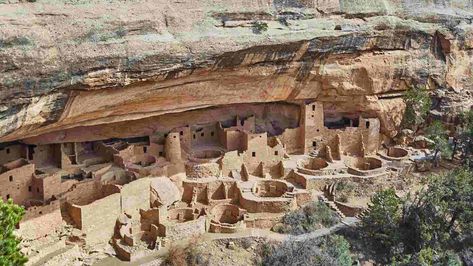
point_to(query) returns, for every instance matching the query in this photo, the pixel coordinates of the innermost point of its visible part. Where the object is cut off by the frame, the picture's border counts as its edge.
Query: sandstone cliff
(109, 65)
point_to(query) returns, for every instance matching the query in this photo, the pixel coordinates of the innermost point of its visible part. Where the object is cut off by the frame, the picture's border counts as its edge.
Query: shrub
(260, 27)
(185, 255)
(175, 256)
(10, 216)
(418, 105)
(312, 216)
(332, 250)
(283, 21)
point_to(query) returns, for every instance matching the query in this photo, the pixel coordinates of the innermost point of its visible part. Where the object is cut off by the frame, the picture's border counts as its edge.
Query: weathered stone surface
(73, 64)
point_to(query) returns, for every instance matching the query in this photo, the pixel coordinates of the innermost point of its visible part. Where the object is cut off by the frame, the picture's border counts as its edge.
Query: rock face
(107, 67)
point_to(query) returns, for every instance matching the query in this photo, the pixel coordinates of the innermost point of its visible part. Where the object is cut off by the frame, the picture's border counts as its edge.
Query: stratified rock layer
(73, 65)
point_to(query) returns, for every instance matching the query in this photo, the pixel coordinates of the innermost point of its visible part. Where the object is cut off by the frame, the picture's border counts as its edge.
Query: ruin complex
(217, 176)
(136, 124)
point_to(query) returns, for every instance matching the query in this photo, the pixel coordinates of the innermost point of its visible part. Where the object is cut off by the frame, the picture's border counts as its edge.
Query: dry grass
(176, 256)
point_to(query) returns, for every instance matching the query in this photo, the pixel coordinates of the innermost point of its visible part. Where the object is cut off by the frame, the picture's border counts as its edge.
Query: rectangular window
(313, 107)
(29, 188)
(202, 134)
(367, 124)
(253, 154)
(181, 133)
(145, 149)
(10, 178)
(212, 134)
(161, 153)
(193, 136)
(276, 153)
(314, 144)
(8, 150)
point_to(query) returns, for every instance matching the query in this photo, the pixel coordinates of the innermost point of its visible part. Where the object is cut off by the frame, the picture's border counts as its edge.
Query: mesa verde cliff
(75, 65)
(131, 125)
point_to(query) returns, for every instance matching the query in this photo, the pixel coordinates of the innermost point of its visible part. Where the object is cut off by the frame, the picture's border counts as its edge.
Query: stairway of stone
(289, 195)
(329, 190)
(332, 206)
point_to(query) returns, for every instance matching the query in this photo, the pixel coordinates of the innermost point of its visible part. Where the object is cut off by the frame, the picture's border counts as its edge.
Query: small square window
(160, 153)
(276, 153)
(174, 136)
(314, 144)
(253, 154)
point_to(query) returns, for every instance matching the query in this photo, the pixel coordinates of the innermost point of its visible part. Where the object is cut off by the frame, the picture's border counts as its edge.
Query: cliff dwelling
(132, 128)
(227, 171)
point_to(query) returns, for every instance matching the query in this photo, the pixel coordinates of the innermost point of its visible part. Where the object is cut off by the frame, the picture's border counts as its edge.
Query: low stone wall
(177, 231)
(358, 172)
(40, 221)
(217, 227)
(97, 220)
(202, 170)
(254, 204)
(262, 222)
(36, 211)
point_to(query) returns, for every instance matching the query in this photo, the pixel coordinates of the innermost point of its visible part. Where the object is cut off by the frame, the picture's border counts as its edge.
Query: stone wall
(202, 170)
(231, 161)
(135, 196)
(185, 230)
(40, 221)
(17, 183)
(98, 219)
(11, 153)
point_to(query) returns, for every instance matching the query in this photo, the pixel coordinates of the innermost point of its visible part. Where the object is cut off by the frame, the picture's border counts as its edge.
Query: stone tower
(173, 147)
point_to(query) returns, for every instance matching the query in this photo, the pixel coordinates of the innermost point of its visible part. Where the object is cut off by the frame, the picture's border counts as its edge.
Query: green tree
(463, 135)
(381, 222)
(418, 104)
(10, 216)
(339, 248)
(441, 215)
(439, 135)
(429, 228)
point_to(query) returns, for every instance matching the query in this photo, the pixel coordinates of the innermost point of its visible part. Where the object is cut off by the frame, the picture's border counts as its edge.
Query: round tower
(172, 147)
